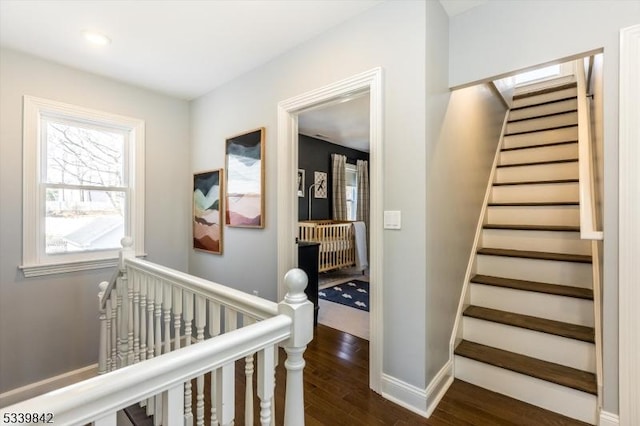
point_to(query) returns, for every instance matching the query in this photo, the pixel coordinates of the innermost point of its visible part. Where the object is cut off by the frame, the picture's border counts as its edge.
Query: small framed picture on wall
(300, 182)
(320, 179)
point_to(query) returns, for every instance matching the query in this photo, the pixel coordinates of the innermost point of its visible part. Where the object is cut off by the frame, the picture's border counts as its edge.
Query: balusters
(113, 302)
(102, 351)
(248, 383)
(157, 314)
(177, 316)
(225, 394)
(266, 383)
(129, 308)
(109, 334)
(135, 277)
(214, 330)
(151, 297)
(143, 318)
(188, 319)
(201, 320)
(166, 307)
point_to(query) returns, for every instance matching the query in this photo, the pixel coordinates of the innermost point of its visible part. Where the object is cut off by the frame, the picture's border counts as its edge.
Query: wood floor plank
(336, 392)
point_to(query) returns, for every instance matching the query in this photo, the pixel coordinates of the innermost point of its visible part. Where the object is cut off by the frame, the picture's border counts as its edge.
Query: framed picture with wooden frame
(244, 192)
(207, 211)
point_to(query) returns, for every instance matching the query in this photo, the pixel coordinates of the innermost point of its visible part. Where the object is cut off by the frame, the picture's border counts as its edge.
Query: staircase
(528, 324)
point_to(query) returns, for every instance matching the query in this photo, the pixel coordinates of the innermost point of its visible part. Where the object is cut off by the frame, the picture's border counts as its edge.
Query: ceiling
(186, 48)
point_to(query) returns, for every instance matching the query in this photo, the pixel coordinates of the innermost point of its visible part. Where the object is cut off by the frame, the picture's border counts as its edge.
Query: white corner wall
(502, 37)
(392, 36)
(48, 325)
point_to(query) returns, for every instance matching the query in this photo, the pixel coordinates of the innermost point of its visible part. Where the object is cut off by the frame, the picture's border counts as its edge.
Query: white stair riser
(547, 347)
(549, 241)
(558, 308)
(543, 137)
(534, 215)
(557, 192)
(536, 111)
(560, 399)
(546, 271)
(547, 97)
(541, 153)
(536, 172)
(534, 124)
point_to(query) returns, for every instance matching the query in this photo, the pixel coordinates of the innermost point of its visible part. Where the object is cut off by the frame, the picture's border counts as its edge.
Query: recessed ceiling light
(96, 38)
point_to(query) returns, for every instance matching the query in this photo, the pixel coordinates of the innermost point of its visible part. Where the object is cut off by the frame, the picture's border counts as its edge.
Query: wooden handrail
(588, 225)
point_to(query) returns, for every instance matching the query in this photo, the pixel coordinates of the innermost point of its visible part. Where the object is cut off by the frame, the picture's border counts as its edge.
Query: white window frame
(35, 261)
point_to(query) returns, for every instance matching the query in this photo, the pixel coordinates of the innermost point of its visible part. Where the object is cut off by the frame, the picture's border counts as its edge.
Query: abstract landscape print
(207, 212)
(245, 180)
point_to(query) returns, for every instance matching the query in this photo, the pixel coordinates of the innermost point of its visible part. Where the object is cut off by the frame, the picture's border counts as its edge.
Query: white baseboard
(439, 386)
(47, 385)
(608, 419)
(420, 401)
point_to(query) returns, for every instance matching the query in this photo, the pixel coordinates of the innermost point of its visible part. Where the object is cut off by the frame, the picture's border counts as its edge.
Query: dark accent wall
(314, 155)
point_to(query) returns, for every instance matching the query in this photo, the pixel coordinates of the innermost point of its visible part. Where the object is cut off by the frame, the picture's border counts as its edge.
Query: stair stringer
(465, 295)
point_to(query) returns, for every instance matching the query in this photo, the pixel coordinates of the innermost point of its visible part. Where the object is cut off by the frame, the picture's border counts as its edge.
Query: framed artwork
(245, 180)
(320, 179)
(207, 211)
(300, 182)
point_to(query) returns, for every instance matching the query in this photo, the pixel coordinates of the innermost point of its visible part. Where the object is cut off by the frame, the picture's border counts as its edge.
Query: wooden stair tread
(545, 91)
(553, 101)
(563, 257)
(535, 204)
(545, 129)
(542, 145)
(544, 370)
(539, 163)
(556, 289)
(552, 114)
(553, 228)
(537, 182)
(558, 328)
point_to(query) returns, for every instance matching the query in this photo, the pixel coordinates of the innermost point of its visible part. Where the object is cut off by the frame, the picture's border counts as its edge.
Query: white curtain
(338, 167)
(362, 213)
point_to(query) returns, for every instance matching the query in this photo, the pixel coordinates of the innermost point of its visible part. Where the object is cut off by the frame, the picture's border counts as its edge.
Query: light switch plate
(392, 219)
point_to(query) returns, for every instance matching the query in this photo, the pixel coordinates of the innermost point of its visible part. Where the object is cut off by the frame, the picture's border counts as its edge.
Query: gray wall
(48, 325)
(504, 36)
(459, 165)
(390, 35)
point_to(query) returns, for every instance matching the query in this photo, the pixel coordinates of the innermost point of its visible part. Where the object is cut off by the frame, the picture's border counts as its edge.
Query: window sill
(62, 268)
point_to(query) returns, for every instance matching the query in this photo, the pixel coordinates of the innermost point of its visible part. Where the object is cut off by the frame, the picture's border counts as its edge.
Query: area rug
(354, 293)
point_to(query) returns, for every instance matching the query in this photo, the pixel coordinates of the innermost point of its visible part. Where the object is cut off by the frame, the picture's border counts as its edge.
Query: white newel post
(125, 340)
(296, 306)
(102, 355)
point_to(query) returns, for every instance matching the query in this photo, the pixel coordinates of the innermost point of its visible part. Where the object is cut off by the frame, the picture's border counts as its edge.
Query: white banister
(148, 305)
(101, 396)
(588, 222)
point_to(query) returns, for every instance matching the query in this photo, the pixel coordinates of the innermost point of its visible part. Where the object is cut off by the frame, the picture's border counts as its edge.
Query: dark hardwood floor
(337, 392)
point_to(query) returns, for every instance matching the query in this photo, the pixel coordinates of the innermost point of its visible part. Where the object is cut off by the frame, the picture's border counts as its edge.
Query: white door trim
(288, 110)
(629, 226)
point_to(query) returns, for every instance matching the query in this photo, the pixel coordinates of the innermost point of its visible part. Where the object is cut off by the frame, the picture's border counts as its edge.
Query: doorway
(288, 111)
(333, 142)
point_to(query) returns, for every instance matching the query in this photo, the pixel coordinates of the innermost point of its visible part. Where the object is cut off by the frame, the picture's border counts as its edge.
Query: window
(538, 74)
(351, 182)
(83, 187)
